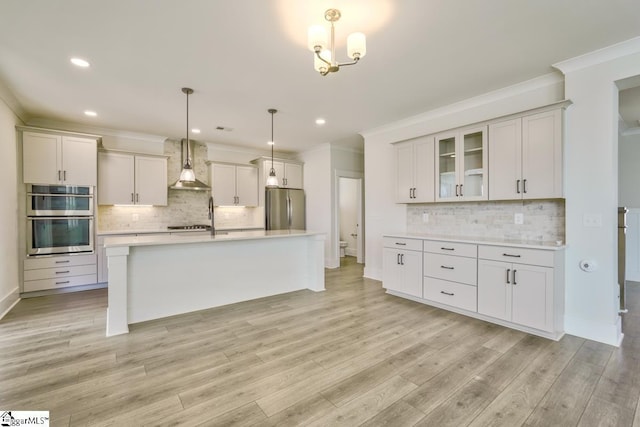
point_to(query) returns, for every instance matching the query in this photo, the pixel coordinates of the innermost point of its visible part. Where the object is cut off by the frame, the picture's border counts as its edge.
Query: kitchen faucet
(212, 216)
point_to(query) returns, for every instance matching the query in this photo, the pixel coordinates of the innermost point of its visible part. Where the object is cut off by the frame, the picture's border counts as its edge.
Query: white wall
(9, 256)
(629, 172)
(591, 170)
(317, 187)
(382, 214)
(348, 212)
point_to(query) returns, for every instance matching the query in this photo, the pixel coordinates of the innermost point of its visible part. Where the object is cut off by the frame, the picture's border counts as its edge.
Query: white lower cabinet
(56, 272)
(518, 287)
(402, 270)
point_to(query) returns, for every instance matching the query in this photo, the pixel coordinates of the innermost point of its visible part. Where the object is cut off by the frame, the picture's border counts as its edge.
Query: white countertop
(183, 238)
(531, 244)
(165, 230)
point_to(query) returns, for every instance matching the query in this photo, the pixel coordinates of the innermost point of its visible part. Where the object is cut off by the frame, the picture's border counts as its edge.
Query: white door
(404, 172)
(42, 163)
(79, 161)
(293, 175)
(423, 170)
(151, 180)
(247, 185)
(116, 179)
(542, 155)
(494, 289)
(223, 184)
(532, 289)
(505, 160)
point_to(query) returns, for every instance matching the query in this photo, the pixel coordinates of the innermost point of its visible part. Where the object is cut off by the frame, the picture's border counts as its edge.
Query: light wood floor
(349, 356)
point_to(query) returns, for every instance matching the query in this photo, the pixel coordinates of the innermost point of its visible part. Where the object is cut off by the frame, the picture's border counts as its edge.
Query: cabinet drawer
(58, 261)
(449, 248)
(453, 268)
(52, 273)
(450, 293)
(517, 255)
(400, 243)
(61, 282)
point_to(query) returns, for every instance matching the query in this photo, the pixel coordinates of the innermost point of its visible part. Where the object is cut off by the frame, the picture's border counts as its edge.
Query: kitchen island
(156, 276)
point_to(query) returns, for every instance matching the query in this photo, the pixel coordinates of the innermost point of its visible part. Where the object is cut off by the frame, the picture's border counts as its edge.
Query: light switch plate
(592, 220)
(518, 218)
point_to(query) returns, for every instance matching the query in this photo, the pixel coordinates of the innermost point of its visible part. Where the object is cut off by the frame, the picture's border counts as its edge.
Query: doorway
(349, 224)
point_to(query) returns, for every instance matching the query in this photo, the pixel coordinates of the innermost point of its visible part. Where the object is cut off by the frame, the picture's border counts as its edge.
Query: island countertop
(177, 239)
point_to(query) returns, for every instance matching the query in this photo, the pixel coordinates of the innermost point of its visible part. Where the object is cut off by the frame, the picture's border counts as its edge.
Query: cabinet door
(447, 187)
(247, 185)
(472, 166)
(505, 160)
(404, 172)
(494, 289)
(402, 271)
(532, 292)
(542, 155)
(115, 179)
(292, 175)
(79, 162)
(223, 184)
(42, 162)
(151, 180)
(424, 176)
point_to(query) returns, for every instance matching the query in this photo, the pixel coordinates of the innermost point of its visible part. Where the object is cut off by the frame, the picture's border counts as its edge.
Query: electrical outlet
(592, 220)
(425, 217)
(518, 218)
(135, 217)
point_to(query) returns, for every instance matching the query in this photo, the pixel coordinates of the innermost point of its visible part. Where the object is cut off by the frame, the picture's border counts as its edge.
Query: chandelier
(324, 60)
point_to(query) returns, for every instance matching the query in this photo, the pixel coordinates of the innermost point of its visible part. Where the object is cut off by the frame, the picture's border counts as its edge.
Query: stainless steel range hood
(187, 179)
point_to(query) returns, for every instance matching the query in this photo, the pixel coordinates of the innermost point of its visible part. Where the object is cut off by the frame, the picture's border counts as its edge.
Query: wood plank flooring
(345, 357)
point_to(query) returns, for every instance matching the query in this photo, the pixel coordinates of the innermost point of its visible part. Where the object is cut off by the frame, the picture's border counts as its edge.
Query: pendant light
(272, 180)
(187, 180)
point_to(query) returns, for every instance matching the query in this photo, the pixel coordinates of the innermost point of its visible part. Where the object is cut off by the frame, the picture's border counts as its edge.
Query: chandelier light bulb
(356, 45)
(317, 36)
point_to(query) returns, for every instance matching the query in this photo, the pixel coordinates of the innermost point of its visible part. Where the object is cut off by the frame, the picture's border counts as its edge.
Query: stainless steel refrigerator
(285, 209)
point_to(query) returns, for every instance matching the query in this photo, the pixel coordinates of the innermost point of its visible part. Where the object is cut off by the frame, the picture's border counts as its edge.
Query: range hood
(187, 179)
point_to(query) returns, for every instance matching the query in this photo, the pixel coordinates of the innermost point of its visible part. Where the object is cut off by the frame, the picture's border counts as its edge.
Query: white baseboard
(9, 301)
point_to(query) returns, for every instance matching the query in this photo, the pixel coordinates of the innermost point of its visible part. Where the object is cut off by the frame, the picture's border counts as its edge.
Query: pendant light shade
(272, 180)
(187, 179)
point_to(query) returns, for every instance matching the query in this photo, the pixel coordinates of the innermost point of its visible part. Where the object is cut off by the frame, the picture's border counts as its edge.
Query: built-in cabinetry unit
(402, 268)
(288, 172)
(131, 179)
(518, 286)
(509, 158)
(414, 170)
(234, 185)
(52, 157)
(461, 165)
(56, 272)
(525, 157)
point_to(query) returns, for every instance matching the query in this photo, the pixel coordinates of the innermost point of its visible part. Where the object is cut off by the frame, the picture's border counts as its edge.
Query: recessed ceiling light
(271, 143)
(195, 130)
(320, 121)
(80, 62)
(90, 113)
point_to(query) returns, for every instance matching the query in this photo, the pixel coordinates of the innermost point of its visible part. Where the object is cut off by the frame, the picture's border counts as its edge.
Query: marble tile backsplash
(184, 207)
(544, 220)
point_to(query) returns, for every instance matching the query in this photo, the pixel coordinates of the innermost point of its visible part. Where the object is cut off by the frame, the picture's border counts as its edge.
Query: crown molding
(609, 53)
(12, 102)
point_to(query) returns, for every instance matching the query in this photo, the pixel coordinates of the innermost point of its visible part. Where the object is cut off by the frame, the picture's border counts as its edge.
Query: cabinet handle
(401, 259)
(137, 197)
(508, 271)
(518, 187)
(284, 181)
(512, 255)
(447, 293)
(448, 249)
(401, 244)
(524, 185)
(514, 277)
(447, 267)
(62, 262)
(62, 272)
(62, 283)
(461, 189)
(413, 196)
(457, 195)
(398, 259)
(64, 175)
(132, 199)
(59, 175)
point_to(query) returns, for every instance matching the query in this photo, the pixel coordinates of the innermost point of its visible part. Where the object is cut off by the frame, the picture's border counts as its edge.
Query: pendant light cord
(272, 141)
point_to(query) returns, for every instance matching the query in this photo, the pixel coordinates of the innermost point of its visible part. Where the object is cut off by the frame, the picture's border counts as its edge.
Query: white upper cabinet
(59, 159)
(234, 185)
(292, 176)
(128, 179)
(461, 165)
(525, 157)
(415, 170)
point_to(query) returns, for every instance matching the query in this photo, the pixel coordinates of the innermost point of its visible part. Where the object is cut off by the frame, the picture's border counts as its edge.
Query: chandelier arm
(321, 58)
(355, 61)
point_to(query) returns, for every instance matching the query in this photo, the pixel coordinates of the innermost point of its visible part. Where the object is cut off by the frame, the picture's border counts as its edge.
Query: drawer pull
(401, 244)
(511, 255)
(63, 283)
(448, 249)
(508, 271)
(447, 293)
(62, 272)
(447, 267)
(63, 262)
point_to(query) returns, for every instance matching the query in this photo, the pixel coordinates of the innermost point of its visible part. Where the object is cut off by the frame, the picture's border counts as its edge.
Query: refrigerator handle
(289, 211)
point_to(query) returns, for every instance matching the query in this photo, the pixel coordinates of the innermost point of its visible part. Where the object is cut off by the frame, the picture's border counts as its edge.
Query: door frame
(359, 176)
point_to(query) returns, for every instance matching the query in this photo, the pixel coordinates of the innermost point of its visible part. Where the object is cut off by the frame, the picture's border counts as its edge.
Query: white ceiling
(244, 56)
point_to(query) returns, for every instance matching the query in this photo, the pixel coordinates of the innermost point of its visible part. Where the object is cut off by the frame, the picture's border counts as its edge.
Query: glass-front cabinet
(461, 165)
